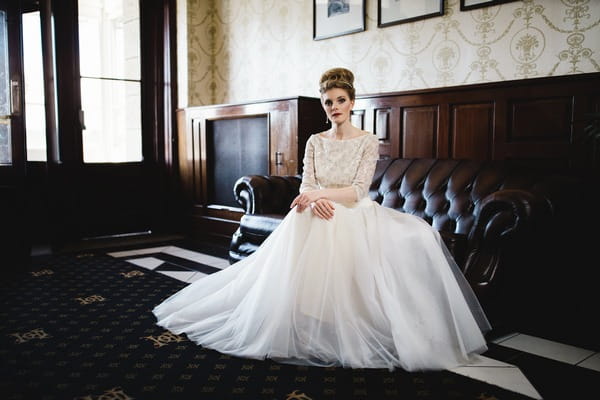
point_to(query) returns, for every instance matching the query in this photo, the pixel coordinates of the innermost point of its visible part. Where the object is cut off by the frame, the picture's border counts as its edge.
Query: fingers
(300, 201)
(323, 209)
(296, 202)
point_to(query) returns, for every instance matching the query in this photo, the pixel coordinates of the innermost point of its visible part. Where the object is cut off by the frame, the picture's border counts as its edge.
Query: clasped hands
(321, 207)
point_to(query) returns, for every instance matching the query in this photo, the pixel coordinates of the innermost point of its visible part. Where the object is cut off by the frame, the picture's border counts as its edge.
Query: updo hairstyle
(340, 78)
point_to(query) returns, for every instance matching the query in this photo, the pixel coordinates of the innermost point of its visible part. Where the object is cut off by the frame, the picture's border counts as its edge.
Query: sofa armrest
(266, 194)
(504, 221)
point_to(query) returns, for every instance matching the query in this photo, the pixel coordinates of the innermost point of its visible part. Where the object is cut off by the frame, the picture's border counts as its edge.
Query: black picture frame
(332, 18)
(466, 5)
(402, 11)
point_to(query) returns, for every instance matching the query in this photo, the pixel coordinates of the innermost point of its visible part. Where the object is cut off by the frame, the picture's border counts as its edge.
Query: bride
(342, 281)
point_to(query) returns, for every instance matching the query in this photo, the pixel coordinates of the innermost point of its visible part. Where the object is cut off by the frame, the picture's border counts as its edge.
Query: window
(35, 117)
(109, 52)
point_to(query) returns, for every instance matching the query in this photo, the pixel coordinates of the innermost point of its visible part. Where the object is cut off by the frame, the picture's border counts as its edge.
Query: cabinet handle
(278, 158)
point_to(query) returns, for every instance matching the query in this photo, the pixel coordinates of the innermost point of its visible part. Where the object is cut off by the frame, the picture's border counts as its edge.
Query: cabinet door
(234, 148)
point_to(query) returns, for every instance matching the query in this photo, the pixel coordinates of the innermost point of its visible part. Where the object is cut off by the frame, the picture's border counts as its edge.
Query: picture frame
(393, 12)
(333, 18)
(466, 5)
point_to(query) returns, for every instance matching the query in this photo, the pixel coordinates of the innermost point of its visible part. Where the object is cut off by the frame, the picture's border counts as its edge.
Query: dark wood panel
(212, 227)
(382, 124)
(283, 151)
(540, 120)
(358, 118)
(289, 123)
(419, 132)
(471, 131)
(532, 121)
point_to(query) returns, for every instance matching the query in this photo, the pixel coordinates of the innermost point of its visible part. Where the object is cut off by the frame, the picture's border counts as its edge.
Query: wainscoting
(535, 122)
(220, 143)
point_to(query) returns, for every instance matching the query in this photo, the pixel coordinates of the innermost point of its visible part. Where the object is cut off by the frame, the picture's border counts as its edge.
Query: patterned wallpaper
(247, 50)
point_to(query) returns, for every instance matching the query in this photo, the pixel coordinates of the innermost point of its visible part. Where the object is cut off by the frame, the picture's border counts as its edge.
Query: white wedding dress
(370, 288)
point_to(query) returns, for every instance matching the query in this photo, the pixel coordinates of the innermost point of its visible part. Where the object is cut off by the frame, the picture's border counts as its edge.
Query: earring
(326, 119)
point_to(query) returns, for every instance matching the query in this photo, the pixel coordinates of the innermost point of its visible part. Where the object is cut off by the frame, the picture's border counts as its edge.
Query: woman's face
(337, 105)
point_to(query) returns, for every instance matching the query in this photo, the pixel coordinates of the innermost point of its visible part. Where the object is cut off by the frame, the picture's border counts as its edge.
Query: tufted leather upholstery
(492, 216)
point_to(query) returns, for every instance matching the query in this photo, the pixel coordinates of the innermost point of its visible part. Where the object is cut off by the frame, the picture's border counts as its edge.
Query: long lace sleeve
(309, 180)
(366, 168)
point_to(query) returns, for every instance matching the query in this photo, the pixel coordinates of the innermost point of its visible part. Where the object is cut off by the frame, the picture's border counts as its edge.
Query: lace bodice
(340, 163)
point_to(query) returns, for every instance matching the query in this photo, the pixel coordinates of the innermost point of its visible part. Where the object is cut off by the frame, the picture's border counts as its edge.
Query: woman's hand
(323, 208)
(303, 200)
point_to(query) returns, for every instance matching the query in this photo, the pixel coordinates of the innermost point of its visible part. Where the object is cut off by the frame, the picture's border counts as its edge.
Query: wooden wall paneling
(310, 119)
(590, 153)
(499, 145)
(516, 137)
(186, 157)
(471, 131)
(199, 149)
(394, 140)
(371, 114)
(382, 124)
(289, 162)
(213, 225)
(382, 129)
(535, 121)
(443, 131)
(540, 120)
(540, 130)
(280, 152)
(357, 117)
(419, 132)
(284, 155)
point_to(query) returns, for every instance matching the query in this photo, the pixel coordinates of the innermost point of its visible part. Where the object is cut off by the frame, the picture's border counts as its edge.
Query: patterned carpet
(81, 327)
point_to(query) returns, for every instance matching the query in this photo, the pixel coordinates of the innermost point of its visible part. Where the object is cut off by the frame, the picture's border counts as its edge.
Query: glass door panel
(112, 131)
(35, 118)
(109, 48)
(5, 95)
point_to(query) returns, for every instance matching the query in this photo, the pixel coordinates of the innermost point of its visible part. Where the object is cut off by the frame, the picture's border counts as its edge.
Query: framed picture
(337, 17)
(392, 12)
(466, 5)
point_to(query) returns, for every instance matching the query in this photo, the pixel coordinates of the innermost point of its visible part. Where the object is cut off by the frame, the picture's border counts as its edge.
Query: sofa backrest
(444, 192)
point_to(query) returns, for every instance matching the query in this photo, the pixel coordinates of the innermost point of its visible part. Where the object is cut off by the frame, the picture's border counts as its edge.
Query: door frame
(14, 244)
(100, 199)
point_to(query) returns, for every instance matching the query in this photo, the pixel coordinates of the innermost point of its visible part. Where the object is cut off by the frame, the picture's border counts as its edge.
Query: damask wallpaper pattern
(247, 50)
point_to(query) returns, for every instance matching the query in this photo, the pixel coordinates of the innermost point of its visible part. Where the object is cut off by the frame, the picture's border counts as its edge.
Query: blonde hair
(340, 78)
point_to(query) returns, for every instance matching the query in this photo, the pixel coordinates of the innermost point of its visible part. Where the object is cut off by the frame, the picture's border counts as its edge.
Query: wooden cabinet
(220, 143)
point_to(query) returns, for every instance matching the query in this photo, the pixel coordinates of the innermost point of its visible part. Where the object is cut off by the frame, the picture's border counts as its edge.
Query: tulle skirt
(370, 288)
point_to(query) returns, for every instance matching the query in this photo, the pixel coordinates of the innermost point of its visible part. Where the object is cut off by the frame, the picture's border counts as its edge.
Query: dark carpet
(81, 327)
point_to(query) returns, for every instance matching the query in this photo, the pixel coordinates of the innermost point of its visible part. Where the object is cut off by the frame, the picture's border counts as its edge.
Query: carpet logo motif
(42, 272)
(131, 274)
(164, 339)
(90, 299)
(111, 394)
(484, 396)
(32, 334)
(111, 349)
(297, 395)
(84, 255)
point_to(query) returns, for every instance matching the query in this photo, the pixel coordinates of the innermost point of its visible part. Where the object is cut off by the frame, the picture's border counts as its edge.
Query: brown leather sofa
(494, 218)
